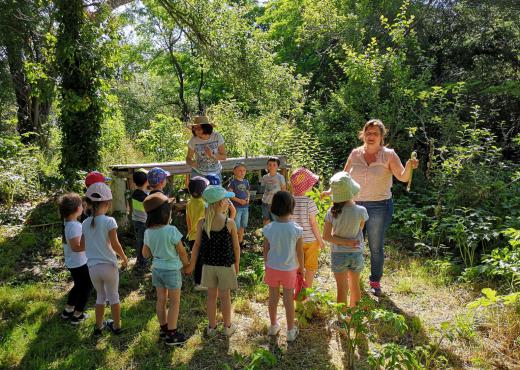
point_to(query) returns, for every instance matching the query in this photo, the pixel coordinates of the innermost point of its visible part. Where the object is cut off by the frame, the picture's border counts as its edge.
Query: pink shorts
(275, 278)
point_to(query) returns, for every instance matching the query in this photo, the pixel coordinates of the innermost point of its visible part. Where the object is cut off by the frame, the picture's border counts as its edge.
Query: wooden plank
(181, 168)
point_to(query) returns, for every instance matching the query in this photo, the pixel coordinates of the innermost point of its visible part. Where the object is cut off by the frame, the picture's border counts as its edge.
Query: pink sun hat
(303, 180)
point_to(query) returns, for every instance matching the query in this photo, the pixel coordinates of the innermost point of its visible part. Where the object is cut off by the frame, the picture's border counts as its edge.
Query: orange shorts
(311, 251)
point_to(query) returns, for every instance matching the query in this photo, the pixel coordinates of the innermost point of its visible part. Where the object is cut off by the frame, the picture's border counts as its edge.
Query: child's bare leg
(274, 297)
(100, 315)
(355, 289)
(225, 305)
(211, 307)
(160, 306)
(173, 311)
(116, 314)
(342, 286)
(288, 302)
(241, 235)
(309, 277)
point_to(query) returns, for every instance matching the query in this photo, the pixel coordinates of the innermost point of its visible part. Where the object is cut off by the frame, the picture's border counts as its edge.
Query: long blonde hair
(211, 211)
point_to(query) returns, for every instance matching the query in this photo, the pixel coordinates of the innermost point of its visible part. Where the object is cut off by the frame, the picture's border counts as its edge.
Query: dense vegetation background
(88, 84)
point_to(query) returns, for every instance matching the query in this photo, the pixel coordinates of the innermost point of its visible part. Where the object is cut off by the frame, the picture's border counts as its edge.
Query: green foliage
(251, 268)
(494, 300)
(165, 140)
(261, 358)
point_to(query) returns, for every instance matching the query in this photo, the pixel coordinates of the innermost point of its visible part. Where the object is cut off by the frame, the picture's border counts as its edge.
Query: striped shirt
(303, 208)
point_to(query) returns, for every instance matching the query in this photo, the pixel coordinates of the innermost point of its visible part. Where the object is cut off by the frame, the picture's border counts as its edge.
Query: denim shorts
(266, 212)
(341, 262)
(169, 279)
(242, 217)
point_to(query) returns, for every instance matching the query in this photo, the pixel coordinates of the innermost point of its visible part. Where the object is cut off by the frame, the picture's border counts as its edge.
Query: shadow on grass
(416, 334)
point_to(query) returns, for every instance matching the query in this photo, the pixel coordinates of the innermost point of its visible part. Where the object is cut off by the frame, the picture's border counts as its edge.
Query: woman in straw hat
(206, 148)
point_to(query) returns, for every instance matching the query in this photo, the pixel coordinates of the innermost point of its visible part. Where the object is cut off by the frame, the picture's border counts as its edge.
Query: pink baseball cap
(302, 180)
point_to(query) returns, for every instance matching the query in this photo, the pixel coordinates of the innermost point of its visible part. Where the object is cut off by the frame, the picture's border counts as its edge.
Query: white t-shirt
(73, 259)
(272, 185)
(206, 164)
(346, 225)
(97, 243)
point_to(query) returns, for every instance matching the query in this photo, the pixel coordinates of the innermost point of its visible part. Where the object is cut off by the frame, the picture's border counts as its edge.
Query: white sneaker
(292, 334)
(211, 332)
(229, 330)
(273, 329)
(199, 288)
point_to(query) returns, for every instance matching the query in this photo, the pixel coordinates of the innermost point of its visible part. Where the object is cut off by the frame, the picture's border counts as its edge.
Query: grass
(34, 287)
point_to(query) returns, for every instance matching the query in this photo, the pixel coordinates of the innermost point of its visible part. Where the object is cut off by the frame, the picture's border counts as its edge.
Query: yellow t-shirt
(195, 210)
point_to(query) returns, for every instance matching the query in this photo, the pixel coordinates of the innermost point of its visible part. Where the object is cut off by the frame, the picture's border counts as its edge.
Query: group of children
(216, 218)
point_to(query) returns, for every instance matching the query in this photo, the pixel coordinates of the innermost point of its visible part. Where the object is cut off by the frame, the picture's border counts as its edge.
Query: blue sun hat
(215, 193)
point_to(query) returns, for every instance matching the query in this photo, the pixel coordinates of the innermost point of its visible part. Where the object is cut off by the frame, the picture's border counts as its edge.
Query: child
(216, 180)
(157, 179)
(305, 211)
(70, 206)
(343, 227)
(101, 246)
(91, 178)
(140, 178)
(217, 236)
(273, 182)
(283, 257)
(240, 186)
(163, 242)
(194, 213)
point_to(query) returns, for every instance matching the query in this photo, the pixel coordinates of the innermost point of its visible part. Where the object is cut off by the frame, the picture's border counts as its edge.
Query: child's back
(282, 237)
(162, 242)
(195, 209)
(347, 225)
(97, 244)
(304, 208)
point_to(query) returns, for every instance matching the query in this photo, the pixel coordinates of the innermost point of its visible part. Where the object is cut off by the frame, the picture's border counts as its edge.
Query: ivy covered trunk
(81, 106)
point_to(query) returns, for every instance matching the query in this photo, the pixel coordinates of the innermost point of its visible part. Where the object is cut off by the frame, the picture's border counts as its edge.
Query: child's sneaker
(229, 330)
(65, 315)
(211, 332)
(114, 330)
(292, 334)
(199, 288)
(175, 338)
(273, 329)
(75, 320)
(375, 288)
(99, 331)
(163, 331)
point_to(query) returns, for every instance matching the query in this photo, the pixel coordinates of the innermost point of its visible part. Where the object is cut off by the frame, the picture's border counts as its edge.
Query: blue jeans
(379, 219)
(242, 217)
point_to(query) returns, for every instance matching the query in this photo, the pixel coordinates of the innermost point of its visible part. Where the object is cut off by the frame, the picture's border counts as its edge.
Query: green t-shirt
(162, 241)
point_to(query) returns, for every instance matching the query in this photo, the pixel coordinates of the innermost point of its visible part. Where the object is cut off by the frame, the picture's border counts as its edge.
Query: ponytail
(336, 209)
(210, 215)
(95, 206)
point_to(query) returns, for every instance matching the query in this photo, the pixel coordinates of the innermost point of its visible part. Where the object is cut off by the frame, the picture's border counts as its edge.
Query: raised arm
(402, 173)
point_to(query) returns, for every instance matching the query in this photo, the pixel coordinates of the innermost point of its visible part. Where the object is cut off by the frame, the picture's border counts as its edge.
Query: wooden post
(119, 202)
